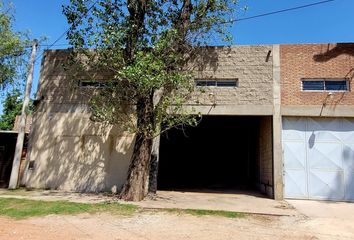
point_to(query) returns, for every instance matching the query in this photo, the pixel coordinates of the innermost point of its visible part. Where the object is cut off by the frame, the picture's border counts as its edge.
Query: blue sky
(329, 22)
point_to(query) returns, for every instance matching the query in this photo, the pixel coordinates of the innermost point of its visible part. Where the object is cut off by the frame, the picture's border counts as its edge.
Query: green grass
(17, 191)
(24, 208)
(203, 212)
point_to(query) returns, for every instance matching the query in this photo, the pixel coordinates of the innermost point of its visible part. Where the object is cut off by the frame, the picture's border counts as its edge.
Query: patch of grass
(24, 208)
(17, 191)
(203, 212)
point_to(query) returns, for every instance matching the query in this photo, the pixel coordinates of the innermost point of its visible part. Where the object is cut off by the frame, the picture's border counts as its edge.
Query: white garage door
(318, 158)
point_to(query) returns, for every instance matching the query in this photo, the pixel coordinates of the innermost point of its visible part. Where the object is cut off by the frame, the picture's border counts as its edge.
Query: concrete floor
(328, 218)
(247, 202)
(325, 209)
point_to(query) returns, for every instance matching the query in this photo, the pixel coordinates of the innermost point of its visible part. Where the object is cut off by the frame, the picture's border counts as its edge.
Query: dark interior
(219, 154)
(7, 150)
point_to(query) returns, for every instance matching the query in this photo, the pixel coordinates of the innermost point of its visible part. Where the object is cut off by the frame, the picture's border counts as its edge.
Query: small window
(31, 165)
(216, 83)
(325, 85)
(92, 84)
(205, 83)
(312, 85)
(336, 85)
(226, 83)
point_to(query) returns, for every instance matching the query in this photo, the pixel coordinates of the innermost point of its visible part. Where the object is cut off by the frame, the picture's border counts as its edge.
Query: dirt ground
(292, 219)
(165, 226)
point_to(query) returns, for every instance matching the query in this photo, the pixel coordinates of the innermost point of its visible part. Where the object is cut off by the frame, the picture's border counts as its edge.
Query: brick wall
(299, 61)
(28, 123)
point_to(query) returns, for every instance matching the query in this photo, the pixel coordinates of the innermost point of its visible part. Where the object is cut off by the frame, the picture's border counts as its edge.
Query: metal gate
(318, 156)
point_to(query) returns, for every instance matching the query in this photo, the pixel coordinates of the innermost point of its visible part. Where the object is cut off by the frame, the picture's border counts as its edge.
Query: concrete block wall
(72, 153)
(250, 65)
(69, 151)
(247, 64)
(59, 80)
(265, 156)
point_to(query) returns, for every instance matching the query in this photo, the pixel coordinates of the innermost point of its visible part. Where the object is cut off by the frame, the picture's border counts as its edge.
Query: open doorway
(221, 154)
(7, 151)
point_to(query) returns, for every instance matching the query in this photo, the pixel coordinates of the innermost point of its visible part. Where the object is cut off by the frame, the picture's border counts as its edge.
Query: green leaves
(12, 108)
(143, 49)
(12, 49)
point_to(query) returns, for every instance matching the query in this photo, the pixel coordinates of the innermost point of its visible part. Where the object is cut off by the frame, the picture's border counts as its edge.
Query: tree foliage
(143, 49)
(12, 108)
(12, 48)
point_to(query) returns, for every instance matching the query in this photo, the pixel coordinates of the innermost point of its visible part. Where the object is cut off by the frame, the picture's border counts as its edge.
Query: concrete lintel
(318, 111)
(242, 110)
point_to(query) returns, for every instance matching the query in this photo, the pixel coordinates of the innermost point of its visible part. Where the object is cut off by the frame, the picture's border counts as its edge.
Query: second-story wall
(251, 66)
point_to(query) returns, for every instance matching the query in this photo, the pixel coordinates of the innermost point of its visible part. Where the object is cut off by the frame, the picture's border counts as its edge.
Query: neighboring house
(277, 118)
(7, 151)
(28, 123)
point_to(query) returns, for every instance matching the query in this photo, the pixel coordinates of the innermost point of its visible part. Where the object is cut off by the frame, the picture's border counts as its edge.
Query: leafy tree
(12, 108)
(12, 48)
(146, 48)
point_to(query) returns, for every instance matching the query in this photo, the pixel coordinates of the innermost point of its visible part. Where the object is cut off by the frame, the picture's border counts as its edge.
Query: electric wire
(48, 46)
(64, 33)
(279, 11)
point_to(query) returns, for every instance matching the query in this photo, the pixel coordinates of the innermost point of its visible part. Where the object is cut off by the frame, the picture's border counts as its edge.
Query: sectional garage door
(318, 158)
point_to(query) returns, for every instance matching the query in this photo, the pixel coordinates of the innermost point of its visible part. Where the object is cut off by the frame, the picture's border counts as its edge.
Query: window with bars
(330, 85)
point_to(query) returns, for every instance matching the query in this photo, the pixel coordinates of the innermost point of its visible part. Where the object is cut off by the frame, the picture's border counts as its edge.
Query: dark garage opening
(7, 151)
(222, 153)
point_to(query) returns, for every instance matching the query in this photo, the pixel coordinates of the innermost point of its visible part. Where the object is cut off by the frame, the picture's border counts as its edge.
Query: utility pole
(22, 124)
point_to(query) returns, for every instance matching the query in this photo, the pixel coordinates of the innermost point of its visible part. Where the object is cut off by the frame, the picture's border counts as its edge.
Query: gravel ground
(299, 219)
(165, 226)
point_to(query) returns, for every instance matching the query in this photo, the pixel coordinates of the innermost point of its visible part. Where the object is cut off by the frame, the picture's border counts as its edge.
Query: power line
(231, 21)
(279, 11)
(55, 45)
(64, 33)
(47, 45)
(41, 45)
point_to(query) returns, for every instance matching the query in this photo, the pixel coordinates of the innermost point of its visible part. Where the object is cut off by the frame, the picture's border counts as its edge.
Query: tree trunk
(136, 185)
(154, 165)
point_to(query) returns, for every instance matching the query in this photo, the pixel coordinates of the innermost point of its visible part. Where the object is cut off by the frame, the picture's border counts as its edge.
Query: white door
(318, 156)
